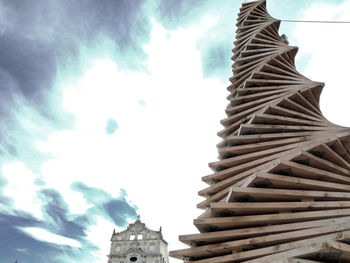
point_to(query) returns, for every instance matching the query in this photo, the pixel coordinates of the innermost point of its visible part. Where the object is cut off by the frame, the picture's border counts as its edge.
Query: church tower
(138, 244)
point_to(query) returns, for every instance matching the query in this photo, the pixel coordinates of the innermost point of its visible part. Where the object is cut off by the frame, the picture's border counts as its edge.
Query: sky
(109, 109)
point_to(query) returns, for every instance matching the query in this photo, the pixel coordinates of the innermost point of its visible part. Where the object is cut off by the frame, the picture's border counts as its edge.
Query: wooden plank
(261, 82)
(338, 147)
(304, 171)
(238, 116)
(233, 127)
(217, 209)
(280, 70)
(223, 223)
(322, 164)
(258, 90)
(330, 155)
(311, 98)
(256, 242)
(303, 250)
(226, 235)
(283, 120)
(271, 136)
(339, 246)
(274, 76)
(231, 171)
(291, 249)
(261, 195)
(290, 104)
(239, 108)
(303, 101)
(245, 158)
(292, 182)
(298, 260)
(245, 149)
(265, 128)
(280, 111)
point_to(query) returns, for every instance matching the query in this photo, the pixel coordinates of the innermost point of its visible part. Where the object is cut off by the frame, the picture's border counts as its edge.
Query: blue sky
(110, 109)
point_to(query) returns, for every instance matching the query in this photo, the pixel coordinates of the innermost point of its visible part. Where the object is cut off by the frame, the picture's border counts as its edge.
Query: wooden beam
(266, 219)
(256, 242)
(217, 209)
(223, 236)
(290, 249)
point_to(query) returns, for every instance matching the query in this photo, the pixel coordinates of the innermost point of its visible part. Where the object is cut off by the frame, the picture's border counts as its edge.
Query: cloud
(19, 189)
(182, 13)
(215, 43)
(40, 41)
(142, 102)
(15, 243)
(56, 233)
(50, 44)
(111, 126)
(215, 49)
(44, 235)
(117, 210)
(57, 216)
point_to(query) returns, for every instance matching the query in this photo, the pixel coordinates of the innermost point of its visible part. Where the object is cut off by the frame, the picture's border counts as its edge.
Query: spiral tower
(280, 190)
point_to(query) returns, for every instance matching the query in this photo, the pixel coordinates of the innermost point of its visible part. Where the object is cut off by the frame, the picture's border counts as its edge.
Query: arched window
(139, 237)
(132, 237)
(132, 259)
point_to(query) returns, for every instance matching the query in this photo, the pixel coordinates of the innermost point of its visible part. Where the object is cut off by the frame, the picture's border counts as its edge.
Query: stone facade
(138, 244)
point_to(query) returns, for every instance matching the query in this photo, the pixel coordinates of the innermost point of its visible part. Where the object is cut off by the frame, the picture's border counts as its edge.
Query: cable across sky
(315, 21)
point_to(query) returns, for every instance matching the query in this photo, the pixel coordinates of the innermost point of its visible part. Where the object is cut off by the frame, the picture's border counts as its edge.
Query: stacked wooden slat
(280, 191)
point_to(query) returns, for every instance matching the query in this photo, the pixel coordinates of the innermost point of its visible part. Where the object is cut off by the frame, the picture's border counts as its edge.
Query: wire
(315, 21)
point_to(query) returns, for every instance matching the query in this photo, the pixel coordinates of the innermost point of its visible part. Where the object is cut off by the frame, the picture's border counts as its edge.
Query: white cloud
(46, 236)
(101, 232)
(20, 187)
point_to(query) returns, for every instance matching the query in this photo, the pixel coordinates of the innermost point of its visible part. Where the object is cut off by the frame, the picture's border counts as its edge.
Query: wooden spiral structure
(280, 191)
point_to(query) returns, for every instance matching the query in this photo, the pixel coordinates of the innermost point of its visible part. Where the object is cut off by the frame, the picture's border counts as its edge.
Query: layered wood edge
(280, 190)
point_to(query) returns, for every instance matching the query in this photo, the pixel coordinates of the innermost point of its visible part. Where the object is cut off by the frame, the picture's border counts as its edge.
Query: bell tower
(138, 244)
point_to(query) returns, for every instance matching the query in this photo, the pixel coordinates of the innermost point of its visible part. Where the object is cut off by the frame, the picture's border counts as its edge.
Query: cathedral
(138, 244)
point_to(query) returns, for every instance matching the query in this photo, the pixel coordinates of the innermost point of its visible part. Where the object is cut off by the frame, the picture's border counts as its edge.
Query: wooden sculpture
(280, 191)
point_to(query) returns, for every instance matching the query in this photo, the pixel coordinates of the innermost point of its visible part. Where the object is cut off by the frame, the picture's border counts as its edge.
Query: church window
(132, 237)
(132, 259)
(139, 237)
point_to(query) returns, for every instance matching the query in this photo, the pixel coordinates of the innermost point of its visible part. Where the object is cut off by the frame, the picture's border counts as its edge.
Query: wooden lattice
(280, 191)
